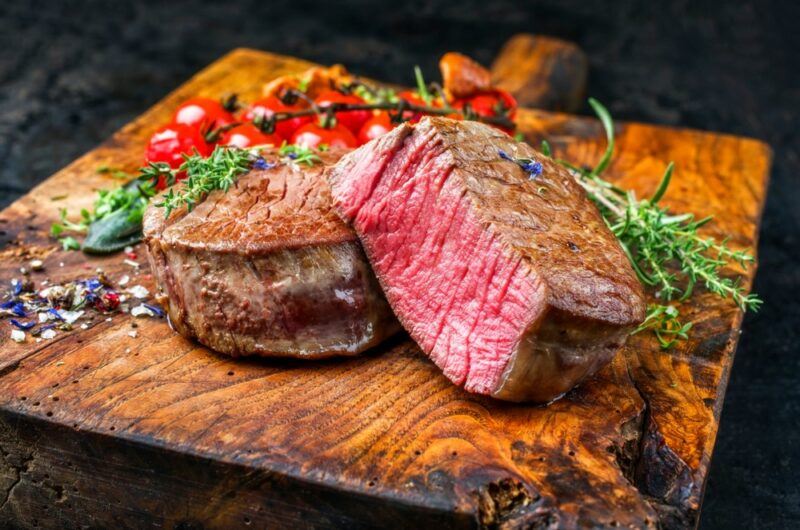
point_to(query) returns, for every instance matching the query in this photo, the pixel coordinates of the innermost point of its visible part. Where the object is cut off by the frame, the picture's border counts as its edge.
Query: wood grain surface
(100, 428)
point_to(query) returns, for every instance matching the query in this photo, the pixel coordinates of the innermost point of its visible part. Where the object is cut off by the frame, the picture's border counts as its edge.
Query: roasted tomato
(376, 126)
(313, 135)
(248, 135)
(171, 141)
(352, 119)
(269, 105)
(492, 103)
(462, 77)
(203, 113)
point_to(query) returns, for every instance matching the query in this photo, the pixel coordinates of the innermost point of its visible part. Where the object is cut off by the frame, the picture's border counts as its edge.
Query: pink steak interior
(461, 296)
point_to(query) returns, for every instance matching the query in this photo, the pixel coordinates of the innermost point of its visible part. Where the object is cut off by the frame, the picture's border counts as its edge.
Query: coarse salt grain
(139, 292)
(133, 334)
(142, 311)
(131, 263)
(48, 334)
(70, 316)
(124, 280)
(17, 335)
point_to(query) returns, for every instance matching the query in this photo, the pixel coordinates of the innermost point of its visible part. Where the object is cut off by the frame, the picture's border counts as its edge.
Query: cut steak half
(268, 269)
(513, 285)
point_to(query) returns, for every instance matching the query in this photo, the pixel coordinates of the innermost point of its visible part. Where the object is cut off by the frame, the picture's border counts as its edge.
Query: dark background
(71, 73)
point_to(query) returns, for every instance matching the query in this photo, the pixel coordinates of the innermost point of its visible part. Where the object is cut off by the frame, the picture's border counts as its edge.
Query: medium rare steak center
(507, 278)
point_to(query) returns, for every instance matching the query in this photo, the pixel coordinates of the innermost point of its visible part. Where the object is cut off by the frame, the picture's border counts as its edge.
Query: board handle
(542, 72)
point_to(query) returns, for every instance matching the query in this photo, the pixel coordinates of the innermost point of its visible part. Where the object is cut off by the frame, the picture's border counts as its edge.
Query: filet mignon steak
(513, 285)
(268, 269)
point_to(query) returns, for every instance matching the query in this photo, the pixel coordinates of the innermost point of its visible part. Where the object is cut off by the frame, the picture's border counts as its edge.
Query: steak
(512, 285)
(268, 269)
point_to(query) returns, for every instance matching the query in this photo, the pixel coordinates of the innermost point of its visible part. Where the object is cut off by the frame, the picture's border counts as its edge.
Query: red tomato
(266, 107)
(173, 140)
(312, 135)
(376, 126)
(413, 98)
(203, 113)
(352, 119)
(488, 103)
(247, 135)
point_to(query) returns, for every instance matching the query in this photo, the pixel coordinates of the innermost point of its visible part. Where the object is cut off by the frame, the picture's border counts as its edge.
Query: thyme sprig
(300, 154)
(663, 321)
(665, 249)
(218, 171)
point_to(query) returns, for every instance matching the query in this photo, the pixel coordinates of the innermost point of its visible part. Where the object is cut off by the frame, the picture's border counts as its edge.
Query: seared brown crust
(268, 269)
(266, 210)
(586, 272)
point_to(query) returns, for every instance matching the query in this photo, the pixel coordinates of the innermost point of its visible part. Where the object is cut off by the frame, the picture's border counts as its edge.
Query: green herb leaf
(665, 249)
(300, 154)
(70, 243)
(663, 321)
(422, 88)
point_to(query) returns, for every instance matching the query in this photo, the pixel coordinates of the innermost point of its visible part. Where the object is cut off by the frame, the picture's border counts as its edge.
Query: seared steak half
(513, 285)
(268, 269)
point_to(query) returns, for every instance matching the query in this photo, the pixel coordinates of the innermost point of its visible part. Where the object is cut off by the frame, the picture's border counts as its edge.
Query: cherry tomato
(247, 135)
(376, 126)
(312, 135)
(203, 113)
(266, 107)
(489, 103)
(352, 119)
(413, 98)
(173, 140)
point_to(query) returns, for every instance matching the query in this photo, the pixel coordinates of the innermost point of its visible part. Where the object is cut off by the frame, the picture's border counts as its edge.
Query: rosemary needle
(665, 249)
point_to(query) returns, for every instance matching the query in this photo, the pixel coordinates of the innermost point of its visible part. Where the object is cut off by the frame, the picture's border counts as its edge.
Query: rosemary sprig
(422, 88)
(665, 249)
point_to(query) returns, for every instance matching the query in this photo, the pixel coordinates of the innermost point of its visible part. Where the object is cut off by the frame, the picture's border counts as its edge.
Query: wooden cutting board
(103, 429)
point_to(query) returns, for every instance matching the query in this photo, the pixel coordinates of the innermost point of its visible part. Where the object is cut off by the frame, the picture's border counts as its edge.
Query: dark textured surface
(73, 72)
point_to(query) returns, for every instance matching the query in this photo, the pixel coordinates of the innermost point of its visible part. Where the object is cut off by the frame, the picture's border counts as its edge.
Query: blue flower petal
(261, 163)
(155, 309)
(505, 156)
(533, 168)
(22, 325)
(17, 308)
